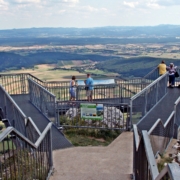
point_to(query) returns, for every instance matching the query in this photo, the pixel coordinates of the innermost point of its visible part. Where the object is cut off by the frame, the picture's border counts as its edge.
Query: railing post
(157, 90)
(23, 83)
(57, 115)
(50, 148)
(131, 109)
(145, 103)
(77, 93)
(150, 156)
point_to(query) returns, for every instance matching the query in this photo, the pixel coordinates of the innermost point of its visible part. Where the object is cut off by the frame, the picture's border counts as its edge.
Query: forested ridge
(126, 67)
(127, 61)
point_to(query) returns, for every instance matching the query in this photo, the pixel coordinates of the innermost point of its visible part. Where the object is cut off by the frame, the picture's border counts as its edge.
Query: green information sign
(91, 111)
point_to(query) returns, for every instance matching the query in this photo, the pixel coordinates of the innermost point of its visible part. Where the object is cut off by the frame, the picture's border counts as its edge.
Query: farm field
(174, 56)
(45, 73)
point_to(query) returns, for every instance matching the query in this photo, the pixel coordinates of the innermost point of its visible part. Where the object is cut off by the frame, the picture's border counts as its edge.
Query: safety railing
(144, 101)
(145, 166)
(152, 75)
(17, 83)
(42, 99)
(123, 88)
(13, 116)
(177, 117)
(12, 112)
(120, 92)
(177, 79)
(81, 114)
(22, 159)
(148, 144)
(161, 134)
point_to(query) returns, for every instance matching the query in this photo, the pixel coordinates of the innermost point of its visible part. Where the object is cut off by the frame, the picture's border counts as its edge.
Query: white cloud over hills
(87, 13)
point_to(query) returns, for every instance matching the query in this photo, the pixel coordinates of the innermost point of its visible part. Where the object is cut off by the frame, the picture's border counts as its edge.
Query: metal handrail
(136, 136)
(32, 148)
(149, 86)
(11, 129)
(3, 74)
(150, 156)
(43, 88)
(151, 72)
(160, 121)
(34, 125)
(39, 140)
(12, 101)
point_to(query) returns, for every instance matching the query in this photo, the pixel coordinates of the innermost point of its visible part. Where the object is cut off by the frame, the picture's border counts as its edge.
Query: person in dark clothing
(171, 69)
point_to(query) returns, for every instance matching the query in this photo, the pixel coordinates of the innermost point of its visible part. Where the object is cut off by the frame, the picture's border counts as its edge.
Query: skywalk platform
(58, 139)
(162, 110)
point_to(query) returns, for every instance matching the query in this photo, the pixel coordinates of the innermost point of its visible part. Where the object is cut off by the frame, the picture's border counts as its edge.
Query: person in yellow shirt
(162, 68)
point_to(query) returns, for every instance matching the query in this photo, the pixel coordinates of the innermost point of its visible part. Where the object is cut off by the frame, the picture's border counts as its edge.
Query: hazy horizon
(20, 14)
(92, 27)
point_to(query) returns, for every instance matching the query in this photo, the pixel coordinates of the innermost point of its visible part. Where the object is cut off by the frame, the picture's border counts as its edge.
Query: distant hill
(15, 61)
(137, 67)
(109, 31)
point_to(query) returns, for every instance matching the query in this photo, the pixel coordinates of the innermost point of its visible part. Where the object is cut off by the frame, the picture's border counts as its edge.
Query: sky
(87, 13)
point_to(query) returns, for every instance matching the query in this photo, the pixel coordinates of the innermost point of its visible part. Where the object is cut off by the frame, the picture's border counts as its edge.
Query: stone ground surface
(114, 162)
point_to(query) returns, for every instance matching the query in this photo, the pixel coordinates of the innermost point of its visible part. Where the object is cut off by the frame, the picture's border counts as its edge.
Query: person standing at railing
(162, 68)
(72, 89)
(89, 85)
(171, 69)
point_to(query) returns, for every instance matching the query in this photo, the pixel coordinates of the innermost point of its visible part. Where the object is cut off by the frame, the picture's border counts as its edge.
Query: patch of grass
(162, 161)
(2, 126)
(91, 137)
(27, 167)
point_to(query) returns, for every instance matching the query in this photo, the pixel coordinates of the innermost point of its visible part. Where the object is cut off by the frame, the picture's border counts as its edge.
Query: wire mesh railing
(148, 144)
(144, 101)
(122, 88)
(144, 165)
(161, 134)
(22, 159)
(80, 114)
(42, 99)
(177, 118)
(125, 90)
(177, 79)
(32, 132)
(152, 75)
(13, 116)
(12, 112)
(17, 83)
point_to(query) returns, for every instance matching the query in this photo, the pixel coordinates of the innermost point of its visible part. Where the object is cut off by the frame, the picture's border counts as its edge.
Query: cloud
(150, 4)
(71, 1)
(24, 1)
(42, 2)
(168, 2)
(3, 5)
(104, 9)
(131, 4)
(154, 5)
(89, 9)
(61, 11)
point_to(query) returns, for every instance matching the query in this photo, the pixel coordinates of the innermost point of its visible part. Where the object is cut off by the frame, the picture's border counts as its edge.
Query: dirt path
(114, 162)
